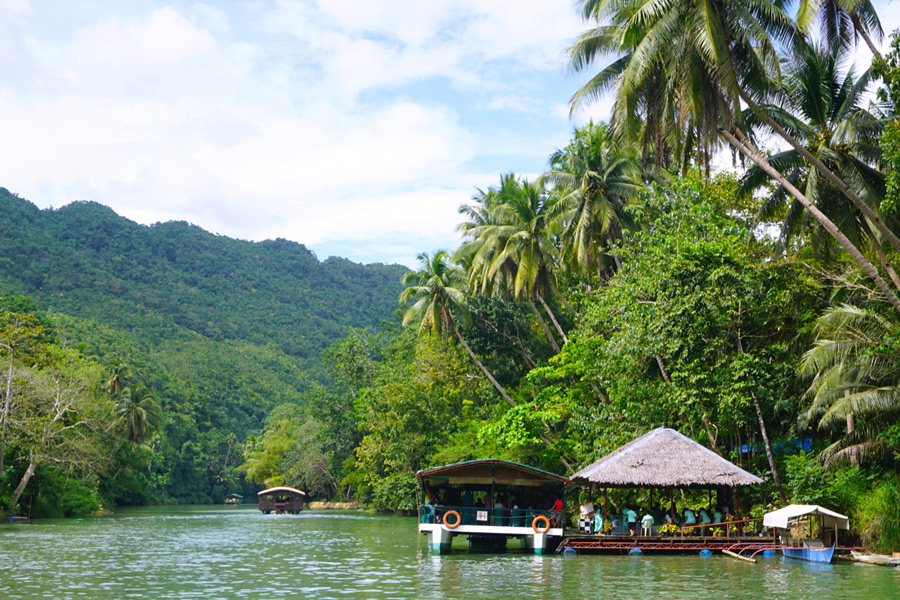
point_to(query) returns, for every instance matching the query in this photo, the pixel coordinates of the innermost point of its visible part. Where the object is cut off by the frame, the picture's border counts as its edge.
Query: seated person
(647, 525)
(704, 519)
(689, 519)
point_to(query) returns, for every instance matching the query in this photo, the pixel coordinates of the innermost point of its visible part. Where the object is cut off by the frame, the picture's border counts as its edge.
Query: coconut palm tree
(594, 178)
(439, 306)
(842, 20)
(118, 377)
(855, 374)
(511, 250)
(715, 55)
(138, 413)
(823, 105)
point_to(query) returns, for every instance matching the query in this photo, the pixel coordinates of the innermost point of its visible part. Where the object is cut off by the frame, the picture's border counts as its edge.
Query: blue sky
(355, 127)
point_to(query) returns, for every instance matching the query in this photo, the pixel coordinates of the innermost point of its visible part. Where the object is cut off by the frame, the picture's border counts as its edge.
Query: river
(236, 552)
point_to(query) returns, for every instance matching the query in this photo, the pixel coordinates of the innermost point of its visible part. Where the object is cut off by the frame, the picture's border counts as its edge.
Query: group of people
(694, 522)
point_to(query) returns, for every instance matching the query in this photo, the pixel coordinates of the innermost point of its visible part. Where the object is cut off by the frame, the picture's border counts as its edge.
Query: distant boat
(812, 550)
(281, 500)
(233, 499)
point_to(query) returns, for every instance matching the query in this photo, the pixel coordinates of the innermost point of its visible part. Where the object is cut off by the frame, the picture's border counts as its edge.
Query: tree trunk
(559, 329)
(829, 226)
(662, 369)
(483, 368)
(828, 173)
(565, 303)
(764, 432)
(544, 326)
(769, 455)
(857, 25)
(26, 477)
(7, 402)
(882, 257)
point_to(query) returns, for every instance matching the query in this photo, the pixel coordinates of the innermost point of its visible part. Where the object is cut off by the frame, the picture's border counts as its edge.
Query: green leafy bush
(879, 517)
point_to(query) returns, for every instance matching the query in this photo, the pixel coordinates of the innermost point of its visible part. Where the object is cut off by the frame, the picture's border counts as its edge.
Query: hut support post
(737, 510)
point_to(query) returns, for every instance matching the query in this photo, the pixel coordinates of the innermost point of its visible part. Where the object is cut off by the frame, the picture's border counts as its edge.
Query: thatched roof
(664, 458)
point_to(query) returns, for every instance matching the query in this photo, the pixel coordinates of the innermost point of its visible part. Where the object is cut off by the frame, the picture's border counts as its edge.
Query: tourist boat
(233, 499)
(281, 500)
(792, 517)
(490, 501)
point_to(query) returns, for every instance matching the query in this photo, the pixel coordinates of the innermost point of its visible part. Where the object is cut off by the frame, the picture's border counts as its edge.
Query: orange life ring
(456, 522)
(545, 528)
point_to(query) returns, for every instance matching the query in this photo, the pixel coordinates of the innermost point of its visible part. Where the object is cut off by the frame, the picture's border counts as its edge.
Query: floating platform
(624, 544)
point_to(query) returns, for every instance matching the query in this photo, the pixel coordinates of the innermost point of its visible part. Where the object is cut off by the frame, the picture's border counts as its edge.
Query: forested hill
(219, 330)
(85, 260)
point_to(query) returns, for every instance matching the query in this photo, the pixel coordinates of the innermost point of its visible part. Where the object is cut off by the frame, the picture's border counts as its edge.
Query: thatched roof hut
(664, 458)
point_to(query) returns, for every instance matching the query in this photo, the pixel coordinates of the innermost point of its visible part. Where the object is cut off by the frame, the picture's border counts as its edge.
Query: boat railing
(496, 517)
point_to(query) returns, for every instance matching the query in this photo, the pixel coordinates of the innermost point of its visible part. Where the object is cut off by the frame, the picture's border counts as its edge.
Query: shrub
(879, 517)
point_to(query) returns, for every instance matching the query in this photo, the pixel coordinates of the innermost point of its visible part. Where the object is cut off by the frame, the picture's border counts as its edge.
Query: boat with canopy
(799, 519)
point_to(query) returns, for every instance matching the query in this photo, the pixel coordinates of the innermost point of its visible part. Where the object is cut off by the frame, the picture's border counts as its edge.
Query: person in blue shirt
(631, 519)
(647, 525)
(689, 519)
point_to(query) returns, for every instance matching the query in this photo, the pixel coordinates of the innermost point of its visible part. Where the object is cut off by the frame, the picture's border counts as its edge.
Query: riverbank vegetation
(720, 258)
(646, 280)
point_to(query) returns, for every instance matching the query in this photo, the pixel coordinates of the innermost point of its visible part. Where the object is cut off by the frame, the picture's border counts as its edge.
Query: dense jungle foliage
(634, 284)
(218, 331)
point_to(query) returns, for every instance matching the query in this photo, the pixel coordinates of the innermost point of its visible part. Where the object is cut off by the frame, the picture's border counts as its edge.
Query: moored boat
(791, 518)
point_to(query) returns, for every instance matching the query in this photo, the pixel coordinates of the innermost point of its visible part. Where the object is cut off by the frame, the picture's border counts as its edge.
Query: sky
(355, 127)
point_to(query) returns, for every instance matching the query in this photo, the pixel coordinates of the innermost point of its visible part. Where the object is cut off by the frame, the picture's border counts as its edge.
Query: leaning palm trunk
(559, 329)
(544, 326)
(829, 226)
(858, 27)
(882, 258)
(484, 370)
(828, 173)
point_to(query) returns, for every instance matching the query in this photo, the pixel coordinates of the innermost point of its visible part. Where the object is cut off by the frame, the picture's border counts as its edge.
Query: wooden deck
(622, 544)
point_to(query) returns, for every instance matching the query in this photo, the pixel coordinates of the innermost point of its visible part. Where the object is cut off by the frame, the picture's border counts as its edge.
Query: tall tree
(594, 177)
(514, 247)
(854, 372)
(717, 55)
(19, 335)
(824, 106)
(438, 304)
(842, 20)
(137, 413)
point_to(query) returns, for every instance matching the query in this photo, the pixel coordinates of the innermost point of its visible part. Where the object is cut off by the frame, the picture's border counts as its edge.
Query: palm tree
(823, 106)
(855, 376)
(438, 305)
(511, 250)
(118, 377)
(841, 20)
(138, 413)
(716, 54)
(594, 178)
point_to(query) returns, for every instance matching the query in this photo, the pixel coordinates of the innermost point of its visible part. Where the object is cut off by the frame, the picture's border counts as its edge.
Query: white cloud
(289, 119)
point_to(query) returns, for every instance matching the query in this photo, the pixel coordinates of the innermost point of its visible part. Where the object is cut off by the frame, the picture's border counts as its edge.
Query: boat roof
(289, 490)
(781, 517)
(489, 471)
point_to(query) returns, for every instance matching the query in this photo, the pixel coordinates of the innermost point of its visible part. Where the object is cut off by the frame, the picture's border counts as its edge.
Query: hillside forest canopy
(636, 283)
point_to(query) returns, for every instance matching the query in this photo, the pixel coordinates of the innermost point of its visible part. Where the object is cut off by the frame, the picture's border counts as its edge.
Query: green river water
(236, 552)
